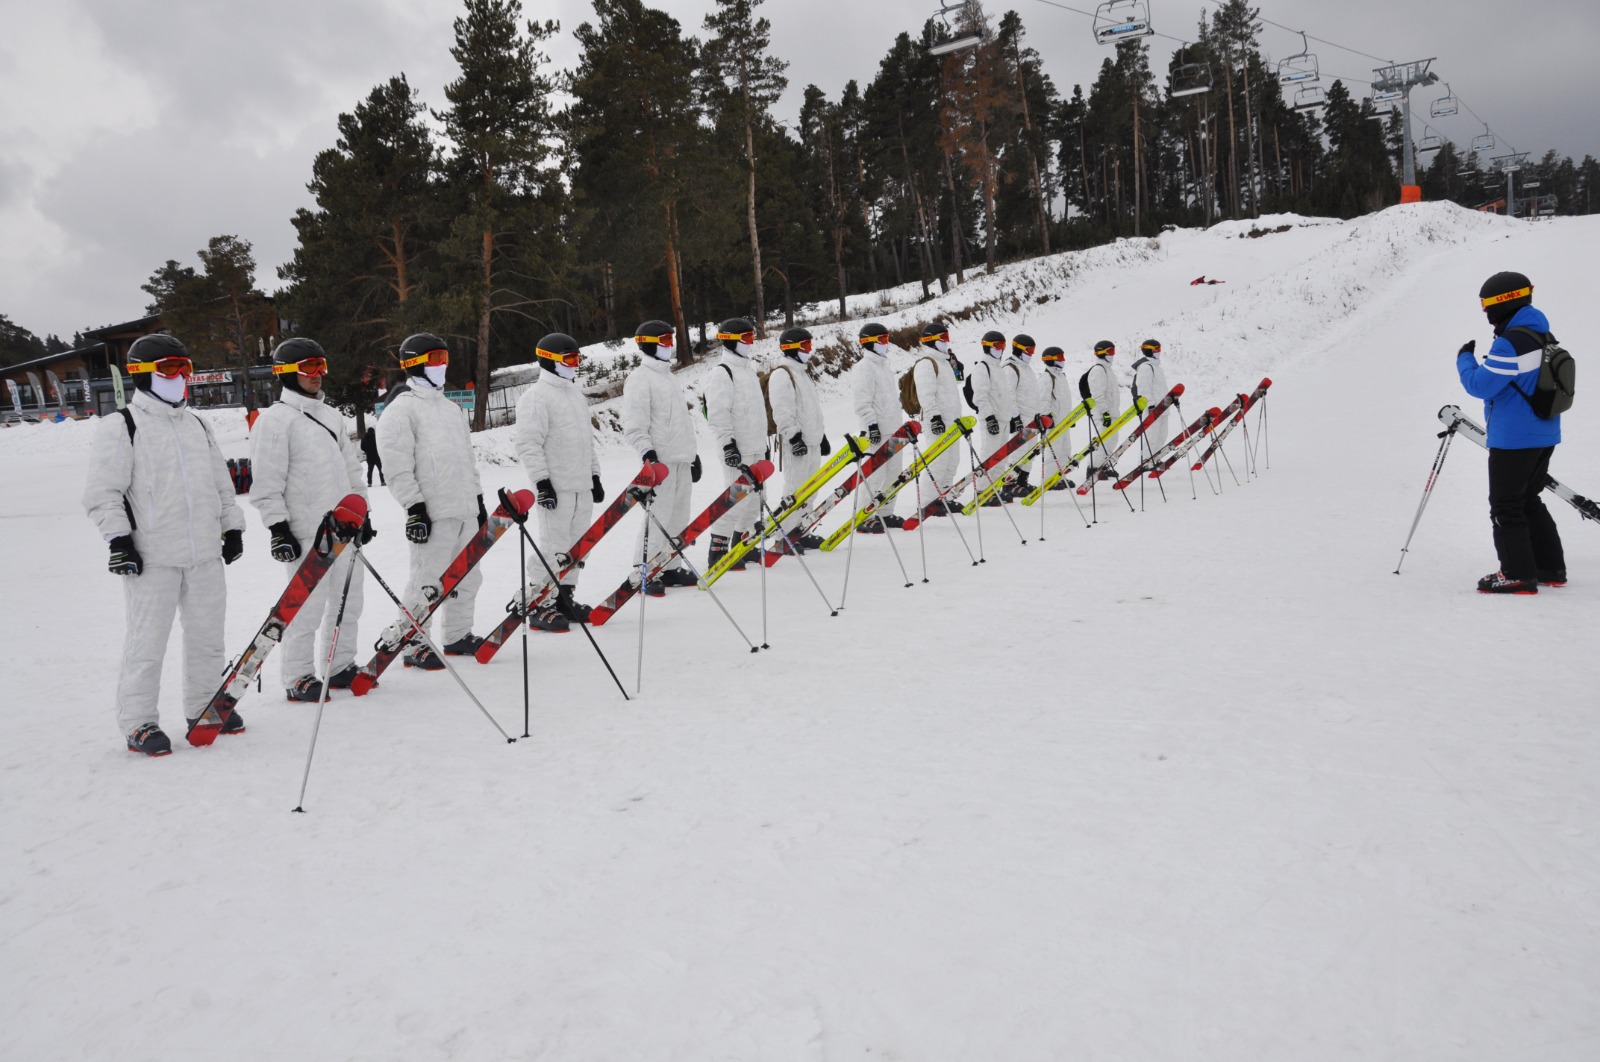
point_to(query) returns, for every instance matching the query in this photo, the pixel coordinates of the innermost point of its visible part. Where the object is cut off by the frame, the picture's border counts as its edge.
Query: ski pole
(421, 633)
(990, 477)
(677, 549)
(855, 511)
(790, 544)
(892, 547)
(327, 673)
(1062, 472)
(922, 533)
(644, 592)
(556, 581)
(522, 573)
(977, 514)
(1427, 491)
(939, 499)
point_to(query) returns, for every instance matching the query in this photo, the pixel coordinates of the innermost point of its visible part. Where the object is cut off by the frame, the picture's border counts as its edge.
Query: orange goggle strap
(737, 337)
(1053, 357)
(571, 361)
(865, 340)
(1153, 348)
(1027, 349)
(1495, 300)
(937, 335)
(432, 357)
(989, 344)
(306, 367)
(155, 366)
(663, 340)
(803, 344)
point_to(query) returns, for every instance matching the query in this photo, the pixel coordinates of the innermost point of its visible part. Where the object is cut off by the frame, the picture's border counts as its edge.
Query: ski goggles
(1105, 351)
(990, 344)
(303, 367)
(803, 344)
(1053, 357)
(1151, 348)
(1023, 348)
(737, 337)
(571, 360)
(168, 367)
(429, 357)
(663, 340)
(1496, 300)
(931, 336)
(869, 340)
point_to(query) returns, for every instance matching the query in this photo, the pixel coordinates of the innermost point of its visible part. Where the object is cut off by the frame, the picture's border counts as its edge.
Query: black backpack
(1558, 376)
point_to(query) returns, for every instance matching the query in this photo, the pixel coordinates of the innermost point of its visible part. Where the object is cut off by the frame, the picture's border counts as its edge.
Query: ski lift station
(1122, 20)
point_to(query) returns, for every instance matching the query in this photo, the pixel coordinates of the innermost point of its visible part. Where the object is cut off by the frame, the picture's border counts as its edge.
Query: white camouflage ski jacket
(795, 408)
(734, 406)
(877, 393)
(303, 462)
(554, 437)
(1103, 389)
(655, 413)
(1025, 389)
(426, 447)
(994, 390)
(937, 390)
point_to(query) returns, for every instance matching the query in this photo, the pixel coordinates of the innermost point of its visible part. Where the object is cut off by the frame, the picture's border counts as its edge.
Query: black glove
(483, 514)
(694, 469)
(1105, 420)
(597, 492)
(730, 454)
(125, 560)
(826, 448)
(1015, 425)
(285, 547)
(797, 445)
(367, 532)
(992, 422)
(1469, 347)
(232, 546)
(547, 493)
(418, 524)
(650, 457)
(874, 433)
(938, 424)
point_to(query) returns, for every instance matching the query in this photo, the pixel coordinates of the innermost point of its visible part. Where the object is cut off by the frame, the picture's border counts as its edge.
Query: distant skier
(159, 492)
(738, 417)
(554, 438)
(1025, 404)
(424, 439)
(1520, 441)
(798, 416)
(369, 450)
(1150, 383)
(994, 392)
(305, 461)
(655, 422)
(1056, 400)
(877, 406)
(937, 374)
(1099, 382)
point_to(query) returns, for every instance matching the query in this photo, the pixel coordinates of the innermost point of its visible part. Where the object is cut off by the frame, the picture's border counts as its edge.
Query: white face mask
(566, 372)
(661, 352)
(172, 389)
(744, 350)
(942, 346)
(435, 374)
(803, 354)
(995, 352)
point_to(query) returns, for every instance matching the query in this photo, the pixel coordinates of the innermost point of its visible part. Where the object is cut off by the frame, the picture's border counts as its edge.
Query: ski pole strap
(855, 448)
(511, 508)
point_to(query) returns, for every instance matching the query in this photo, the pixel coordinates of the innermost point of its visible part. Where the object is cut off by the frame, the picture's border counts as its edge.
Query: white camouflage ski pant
(302, 649)
(153, 599)
(561, 527)
(879, 479)
(671, 507)
(796, 470)
(742, 517)
(942, 470)
(428, 561)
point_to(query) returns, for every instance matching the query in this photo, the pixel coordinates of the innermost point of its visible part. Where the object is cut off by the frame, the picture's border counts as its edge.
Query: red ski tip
(1177, 389)
(598, 616)
(651, 475)
(1265, 382)
(762, 469)
(911, 524)
(1214, 413)
(361, 684)
(523, 501)
(486, 652)
(202, 734)
(914, 427)
(351, 511)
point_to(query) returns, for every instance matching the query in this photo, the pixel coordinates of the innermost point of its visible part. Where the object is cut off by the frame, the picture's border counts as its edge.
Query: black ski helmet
(1053, 355)
(872, 333)
(648, 335)
(1503, 294)
(789, 342)
(292, 352)
(153, 348)
(935, 331)
(730, 331)
(1151, 346)
(417, 346)
(1024, 341)
(993, 340)
(558, 345)
(1105, 349)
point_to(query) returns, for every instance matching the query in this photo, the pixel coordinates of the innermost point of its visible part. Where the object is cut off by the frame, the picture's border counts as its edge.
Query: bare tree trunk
(480, 400)
(988, 198)
(675, 289)
(1233, 138)
(836, 210)
(1037, 185)
(750, 217)
(1137, 168)
(1252, 145)
(957, 237)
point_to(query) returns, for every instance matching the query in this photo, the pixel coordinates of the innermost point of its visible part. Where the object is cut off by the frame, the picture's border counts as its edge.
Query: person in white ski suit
(554, 439)
(159, 492)
(304, 461)
(656, 423)
(798, 415)
(1056, 401)
(737, 415)
(426, 446)
(1150, 383)
(1099, 382)
(994, 392)
(1025, 401)
(877, 405)
(937, 376)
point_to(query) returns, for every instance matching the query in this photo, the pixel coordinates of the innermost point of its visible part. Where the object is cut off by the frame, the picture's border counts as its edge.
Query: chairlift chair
(1444, 106)
(1122, 20)
(961, 39)
(1309, 98)
(1430, 141)
(1483, 143)
(1300, 68)
(1387, 95)
(1189, 79)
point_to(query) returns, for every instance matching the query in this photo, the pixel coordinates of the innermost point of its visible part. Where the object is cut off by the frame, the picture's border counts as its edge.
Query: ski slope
(1206, 781)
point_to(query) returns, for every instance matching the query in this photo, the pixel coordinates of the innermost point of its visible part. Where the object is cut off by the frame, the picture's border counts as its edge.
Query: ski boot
(1552, 577)
(341, 679)
(1498, 583)
(234, 724)
(677, 577)
(872, 527)
(149, 740)
(547, 619)
(423, 657)
(574, 612)
(893, 521)
(466, 645)
(809, 542)
(304, 688)
(719, 549)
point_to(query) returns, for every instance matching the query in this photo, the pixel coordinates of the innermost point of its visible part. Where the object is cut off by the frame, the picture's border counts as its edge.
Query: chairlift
(1444, 106)
(1430, 141)
(1189, 79)
(1483, 143)
(1309, 98)
(1300, 68)
(1387, 95)
(1122, 20)
(960, 38)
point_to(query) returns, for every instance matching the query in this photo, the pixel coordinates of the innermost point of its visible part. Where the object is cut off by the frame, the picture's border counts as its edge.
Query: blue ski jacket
(1510, 367)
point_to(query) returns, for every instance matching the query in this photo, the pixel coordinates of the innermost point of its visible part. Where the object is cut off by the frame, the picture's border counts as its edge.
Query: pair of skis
(1163, 459)
(1049, 482)
(1234, 414)
(952, 434)
(338, 529)
(1032, 442)
(1471, 430)
(1153, 414)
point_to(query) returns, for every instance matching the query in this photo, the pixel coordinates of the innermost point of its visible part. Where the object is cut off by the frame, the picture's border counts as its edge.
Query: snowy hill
(1205, 781)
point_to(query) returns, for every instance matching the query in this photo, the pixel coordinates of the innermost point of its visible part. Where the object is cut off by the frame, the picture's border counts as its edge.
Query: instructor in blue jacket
(1520, 441)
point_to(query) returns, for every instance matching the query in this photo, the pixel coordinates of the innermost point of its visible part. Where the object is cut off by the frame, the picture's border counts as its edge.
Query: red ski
(955, 487)
(1163, 458)
(1242, 404)
(1151, 415)
(737, 492)
(500, 521)
(335, 532)
(534, 594)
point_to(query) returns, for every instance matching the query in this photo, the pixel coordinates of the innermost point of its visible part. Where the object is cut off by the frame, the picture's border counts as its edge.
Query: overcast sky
(134, 130)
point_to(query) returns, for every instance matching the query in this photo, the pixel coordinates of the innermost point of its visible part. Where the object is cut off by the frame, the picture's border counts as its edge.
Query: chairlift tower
(1401, 78)
(1509, 165)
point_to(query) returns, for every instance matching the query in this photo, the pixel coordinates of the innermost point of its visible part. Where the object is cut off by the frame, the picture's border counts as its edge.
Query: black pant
(1525, 535)
(373, 462)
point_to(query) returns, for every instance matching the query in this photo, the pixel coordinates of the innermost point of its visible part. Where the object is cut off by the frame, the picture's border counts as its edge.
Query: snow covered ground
(1205, 781)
